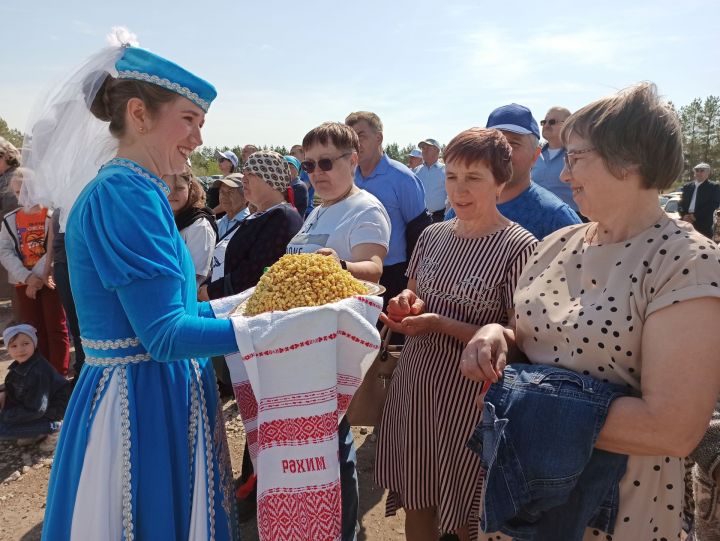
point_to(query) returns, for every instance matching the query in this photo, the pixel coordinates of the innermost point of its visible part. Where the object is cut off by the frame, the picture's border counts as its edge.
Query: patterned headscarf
(271, 167)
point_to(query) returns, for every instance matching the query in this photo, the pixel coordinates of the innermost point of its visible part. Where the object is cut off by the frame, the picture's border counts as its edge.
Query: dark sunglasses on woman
(325, 164)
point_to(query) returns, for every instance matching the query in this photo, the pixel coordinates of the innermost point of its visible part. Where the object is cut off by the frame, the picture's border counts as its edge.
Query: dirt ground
(24, 473)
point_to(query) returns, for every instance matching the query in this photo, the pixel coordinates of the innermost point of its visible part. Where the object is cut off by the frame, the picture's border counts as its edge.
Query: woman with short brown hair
(631, 298)
(462, 275)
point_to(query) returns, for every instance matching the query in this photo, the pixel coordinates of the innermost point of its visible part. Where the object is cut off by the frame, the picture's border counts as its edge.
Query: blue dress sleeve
(155, 309)
(130, 232)
(205, 310)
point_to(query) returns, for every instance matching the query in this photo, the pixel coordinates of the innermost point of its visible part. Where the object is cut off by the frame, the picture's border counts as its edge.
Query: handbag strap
(385, 347)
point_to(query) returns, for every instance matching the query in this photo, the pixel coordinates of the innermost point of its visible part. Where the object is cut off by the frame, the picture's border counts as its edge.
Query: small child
(33, 402)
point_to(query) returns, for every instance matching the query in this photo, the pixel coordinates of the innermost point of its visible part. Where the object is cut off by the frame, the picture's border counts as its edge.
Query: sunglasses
(551, 122)
(325, 164)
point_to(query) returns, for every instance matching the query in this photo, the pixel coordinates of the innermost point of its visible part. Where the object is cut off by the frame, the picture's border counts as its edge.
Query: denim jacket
(545, 480)
(35, 390)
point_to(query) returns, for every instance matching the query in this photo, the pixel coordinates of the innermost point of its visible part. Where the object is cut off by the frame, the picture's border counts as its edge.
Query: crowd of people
(559, 361)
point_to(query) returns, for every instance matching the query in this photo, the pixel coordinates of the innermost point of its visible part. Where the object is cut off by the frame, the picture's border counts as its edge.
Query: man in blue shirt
(397, 188)
(550, 162)
(432, 175)
(521, 200)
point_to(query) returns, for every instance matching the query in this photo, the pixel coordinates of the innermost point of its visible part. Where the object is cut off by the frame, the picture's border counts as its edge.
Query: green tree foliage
(394, 151)
(14, 136)
(701, 133)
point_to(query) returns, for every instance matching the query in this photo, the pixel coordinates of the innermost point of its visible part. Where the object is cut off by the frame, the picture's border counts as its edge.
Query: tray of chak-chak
(303, 280)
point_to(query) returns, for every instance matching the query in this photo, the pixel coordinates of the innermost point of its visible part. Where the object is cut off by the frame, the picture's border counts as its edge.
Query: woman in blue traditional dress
(143, 453)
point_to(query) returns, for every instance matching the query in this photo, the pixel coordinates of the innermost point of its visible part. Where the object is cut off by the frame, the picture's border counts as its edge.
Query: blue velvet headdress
(143, 65)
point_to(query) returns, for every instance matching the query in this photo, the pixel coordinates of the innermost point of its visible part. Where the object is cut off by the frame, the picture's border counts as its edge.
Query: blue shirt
(403, 197)
(311, 193)
(433, 180)
(546, 173)
(225, 224)
(537, 210)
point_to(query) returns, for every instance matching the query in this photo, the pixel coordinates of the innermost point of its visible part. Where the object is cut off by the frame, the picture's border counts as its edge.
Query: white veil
(64, 143)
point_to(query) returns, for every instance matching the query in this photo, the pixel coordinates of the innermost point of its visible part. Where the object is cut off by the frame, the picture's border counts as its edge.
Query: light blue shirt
(433, 180)
(546, 173)
(225, 224)
(403, 196)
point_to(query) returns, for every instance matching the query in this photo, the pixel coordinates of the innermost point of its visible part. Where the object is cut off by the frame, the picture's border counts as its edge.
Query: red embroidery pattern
(300, 399)
(357, 340)
(344, 379)
(245, 399)
(343, 402)
(298, 430)
(310, 513)
(369, 302)
(309, 342)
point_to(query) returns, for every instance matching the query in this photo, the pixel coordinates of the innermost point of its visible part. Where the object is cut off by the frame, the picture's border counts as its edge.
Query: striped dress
(430, 411)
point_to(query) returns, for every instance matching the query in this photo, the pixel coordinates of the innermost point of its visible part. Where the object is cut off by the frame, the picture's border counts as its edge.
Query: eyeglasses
(551, 122)
(570, 157)
(325, 164)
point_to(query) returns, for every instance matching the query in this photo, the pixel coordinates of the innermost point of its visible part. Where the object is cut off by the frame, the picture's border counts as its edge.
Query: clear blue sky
(428, 68)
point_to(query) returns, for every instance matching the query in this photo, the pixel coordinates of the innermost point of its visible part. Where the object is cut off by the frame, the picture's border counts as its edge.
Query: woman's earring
(142, 129)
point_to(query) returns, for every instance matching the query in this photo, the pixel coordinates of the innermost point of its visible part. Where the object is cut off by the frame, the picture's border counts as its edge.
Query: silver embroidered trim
(113, 361)
(208, 452)
(107, 372)
(120, 343)
(127, 511)
(137, 169)
(192, 429)
(165, 83)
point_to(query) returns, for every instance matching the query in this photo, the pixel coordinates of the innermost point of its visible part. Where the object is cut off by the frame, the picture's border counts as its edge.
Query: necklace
(322, 209)
(333, 201)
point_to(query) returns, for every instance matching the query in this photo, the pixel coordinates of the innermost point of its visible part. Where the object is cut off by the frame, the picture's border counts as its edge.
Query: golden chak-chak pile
(302, 280)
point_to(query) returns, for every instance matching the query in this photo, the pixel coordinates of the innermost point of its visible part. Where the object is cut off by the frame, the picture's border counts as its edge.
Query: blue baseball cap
(514, 118)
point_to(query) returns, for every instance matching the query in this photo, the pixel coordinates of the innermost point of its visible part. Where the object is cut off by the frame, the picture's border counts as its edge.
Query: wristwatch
(343, 264)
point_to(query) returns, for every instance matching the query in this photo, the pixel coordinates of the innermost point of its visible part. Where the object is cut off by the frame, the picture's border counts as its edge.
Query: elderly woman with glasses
(632, 298)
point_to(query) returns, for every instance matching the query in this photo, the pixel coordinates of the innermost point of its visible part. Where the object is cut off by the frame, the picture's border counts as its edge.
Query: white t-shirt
(359, 219)
(691, 208)
(200, 239)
